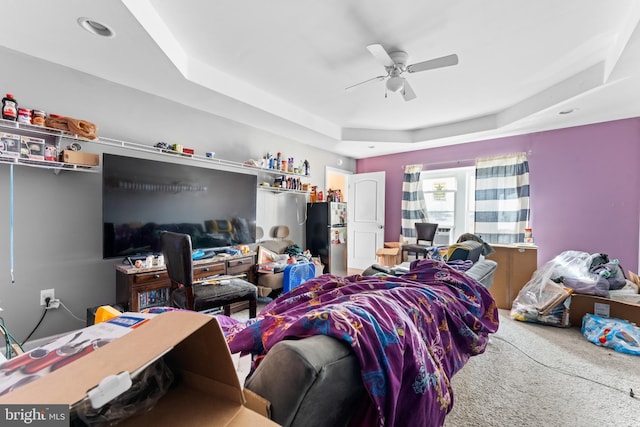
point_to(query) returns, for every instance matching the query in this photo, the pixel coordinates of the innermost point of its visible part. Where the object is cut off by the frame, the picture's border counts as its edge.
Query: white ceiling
(283, 66)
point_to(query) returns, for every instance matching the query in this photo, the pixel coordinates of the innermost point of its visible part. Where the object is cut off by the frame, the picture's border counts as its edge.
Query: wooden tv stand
(140, 288)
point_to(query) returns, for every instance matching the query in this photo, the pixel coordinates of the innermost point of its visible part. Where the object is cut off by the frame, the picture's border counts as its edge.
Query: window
(440, 199)
(449, 196)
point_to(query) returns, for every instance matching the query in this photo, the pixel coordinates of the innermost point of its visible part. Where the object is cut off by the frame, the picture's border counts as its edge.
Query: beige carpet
(536, 375)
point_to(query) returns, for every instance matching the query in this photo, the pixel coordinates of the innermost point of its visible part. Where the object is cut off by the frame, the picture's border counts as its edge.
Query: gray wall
(58, 223)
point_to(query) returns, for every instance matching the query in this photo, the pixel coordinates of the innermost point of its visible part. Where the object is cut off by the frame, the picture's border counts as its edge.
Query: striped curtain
(502, 198)
(412, 201)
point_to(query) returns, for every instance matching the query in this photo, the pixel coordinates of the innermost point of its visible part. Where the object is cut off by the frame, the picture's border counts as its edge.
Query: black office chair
(426, 231)
(186, 294)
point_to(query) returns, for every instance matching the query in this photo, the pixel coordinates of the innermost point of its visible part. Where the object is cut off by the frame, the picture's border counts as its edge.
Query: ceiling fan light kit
(395, 63)
(395, 83)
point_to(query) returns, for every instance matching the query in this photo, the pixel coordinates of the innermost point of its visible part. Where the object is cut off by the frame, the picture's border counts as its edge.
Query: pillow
(218, 226)
(468, 250)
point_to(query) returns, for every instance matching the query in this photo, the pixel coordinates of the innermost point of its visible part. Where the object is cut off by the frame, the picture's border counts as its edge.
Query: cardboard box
(80, 158)
(206, 390)
(61, 351)
(389, 256)
(583, 304)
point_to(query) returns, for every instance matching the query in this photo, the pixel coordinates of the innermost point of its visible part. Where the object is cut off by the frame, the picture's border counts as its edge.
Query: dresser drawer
(142, 278)
(239, 265)
(207, 270)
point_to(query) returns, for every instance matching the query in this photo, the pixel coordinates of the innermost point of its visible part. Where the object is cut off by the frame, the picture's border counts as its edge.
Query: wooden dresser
(516, 265)
(139, 288)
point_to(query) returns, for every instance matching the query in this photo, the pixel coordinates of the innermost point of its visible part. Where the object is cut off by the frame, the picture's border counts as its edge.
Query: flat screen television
(141, 198)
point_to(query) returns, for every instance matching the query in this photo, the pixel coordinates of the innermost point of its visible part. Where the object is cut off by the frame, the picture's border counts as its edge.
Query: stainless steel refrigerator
(326, 235)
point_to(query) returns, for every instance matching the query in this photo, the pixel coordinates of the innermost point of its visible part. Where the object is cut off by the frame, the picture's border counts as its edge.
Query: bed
(410, 334)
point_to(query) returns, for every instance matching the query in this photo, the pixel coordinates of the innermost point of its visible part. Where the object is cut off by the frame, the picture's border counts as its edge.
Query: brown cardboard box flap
(207, 390)
(388, 251)
(257, 403)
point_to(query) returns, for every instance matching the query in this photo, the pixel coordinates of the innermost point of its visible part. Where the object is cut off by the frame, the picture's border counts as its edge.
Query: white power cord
(70, 312)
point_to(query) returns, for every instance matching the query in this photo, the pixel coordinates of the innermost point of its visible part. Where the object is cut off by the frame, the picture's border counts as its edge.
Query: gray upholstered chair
(278, 243)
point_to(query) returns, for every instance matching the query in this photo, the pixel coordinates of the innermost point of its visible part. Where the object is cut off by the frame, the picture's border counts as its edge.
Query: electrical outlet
(46, 293)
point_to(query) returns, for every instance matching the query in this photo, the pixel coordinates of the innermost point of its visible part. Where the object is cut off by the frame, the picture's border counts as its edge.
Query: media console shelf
(140, 288)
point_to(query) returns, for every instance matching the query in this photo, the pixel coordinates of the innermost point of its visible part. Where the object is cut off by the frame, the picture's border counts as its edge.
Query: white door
(366, 218)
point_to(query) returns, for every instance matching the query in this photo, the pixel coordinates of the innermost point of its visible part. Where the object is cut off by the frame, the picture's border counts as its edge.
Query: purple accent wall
(585, 184)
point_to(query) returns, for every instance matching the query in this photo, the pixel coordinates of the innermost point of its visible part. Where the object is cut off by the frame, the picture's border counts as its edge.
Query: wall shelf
(58, 135)
(50, 136)
(193, 157)
(11, 126)
(281, 190)
(47, 164)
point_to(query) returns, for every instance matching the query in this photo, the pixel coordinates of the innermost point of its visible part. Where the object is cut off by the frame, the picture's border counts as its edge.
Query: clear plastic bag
(572, 265)
(541, 299)
(148, 387)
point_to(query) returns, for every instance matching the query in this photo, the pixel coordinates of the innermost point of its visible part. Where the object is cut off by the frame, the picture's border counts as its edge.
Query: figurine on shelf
(330, 196)
(306, 167)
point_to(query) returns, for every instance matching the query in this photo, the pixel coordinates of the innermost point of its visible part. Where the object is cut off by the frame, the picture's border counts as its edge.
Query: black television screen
(141, 198)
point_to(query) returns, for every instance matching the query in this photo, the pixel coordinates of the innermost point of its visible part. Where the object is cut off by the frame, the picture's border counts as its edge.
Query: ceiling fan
(395, 64)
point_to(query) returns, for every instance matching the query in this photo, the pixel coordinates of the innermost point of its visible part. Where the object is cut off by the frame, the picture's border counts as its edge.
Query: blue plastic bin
(295, 274)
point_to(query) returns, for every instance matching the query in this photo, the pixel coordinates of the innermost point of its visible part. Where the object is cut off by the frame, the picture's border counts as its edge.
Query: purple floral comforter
(410, 334)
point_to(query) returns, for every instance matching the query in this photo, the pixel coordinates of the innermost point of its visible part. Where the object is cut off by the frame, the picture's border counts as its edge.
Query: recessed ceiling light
(372, 146)
(567, 111)
(96, 27)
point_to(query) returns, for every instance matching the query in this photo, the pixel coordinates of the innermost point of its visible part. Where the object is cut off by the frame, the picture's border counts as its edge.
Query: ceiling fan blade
(352, 87)
(444, 61)
(381, 54)
(407, 91)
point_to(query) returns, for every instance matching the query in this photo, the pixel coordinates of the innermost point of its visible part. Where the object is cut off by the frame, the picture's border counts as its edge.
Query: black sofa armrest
(322, 385)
